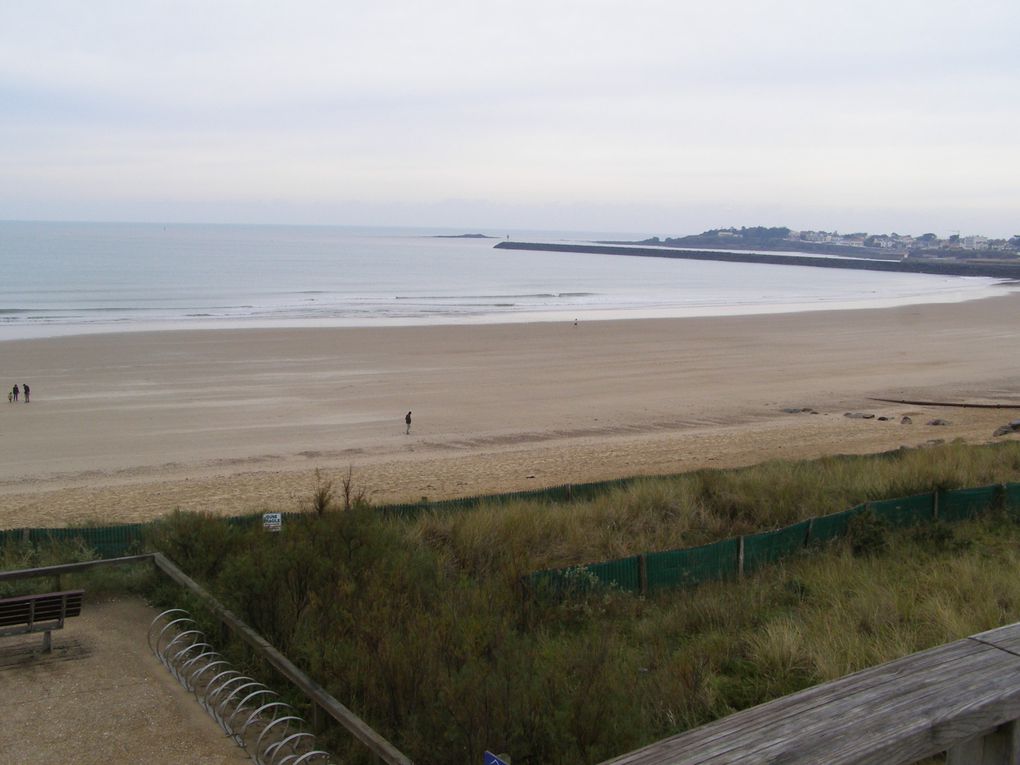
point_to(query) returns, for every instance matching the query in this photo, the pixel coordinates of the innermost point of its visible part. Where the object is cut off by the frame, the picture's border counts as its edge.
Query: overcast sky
(633, 115)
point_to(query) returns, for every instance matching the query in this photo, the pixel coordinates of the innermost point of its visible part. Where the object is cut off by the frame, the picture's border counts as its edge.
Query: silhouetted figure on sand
(24, 387)
(407, 421)
(15, 391)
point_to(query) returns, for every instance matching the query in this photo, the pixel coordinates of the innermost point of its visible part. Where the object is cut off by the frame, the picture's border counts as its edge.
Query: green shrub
(420, 625)
(867, 534)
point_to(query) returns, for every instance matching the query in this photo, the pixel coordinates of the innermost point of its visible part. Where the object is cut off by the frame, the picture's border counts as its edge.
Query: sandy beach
(127, 427)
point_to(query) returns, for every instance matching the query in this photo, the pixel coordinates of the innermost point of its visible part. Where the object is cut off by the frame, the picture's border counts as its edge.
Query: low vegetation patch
(422, 627)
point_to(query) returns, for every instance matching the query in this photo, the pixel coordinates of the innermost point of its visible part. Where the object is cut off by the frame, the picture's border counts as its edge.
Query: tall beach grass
(421, 627)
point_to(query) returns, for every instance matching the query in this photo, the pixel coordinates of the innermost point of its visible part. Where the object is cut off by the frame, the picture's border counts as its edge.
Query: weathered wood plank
(67, 568)
(43, 607)
(864, 734)
(995, 747)
(900, 711)
(1007, 638)
(794, 710)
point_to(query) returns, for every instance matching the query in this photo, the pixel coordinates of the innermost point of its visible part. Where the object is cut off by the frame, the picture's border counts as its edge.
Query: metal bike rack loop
(229, 695)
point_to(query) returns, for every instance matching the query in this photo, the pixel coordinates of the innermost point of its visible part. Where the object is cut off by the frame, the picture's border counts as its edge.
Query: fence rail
(320, 699)
(962, 698)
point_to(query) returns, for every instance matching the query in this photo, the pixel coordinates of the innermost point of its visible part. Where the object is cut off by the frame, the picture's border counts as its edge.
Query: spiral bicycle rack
(270, 731)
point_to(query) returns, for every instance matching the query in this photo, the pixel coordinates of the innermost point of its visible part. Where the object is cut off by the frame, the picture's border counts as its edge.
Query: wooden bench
(962, 698)
(39, 613)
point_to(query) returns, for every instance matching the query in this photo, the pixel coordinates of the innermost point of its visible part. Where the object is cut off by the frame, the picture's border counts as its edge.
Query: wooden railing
(961, 698)
(322, 702)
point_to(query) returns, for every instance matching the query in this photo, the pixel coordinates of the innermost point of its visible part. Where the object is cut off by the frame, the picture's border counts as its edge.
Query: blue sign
(491, 759)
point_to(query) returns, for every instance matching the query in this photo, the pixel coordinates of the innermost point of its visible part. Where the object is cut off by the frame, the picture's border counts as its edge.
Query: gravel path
(101, 697)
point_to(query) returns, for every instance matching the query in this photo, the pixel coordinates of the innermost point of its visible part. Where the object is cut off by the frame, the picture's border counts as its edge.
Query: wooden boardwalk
(962, 698)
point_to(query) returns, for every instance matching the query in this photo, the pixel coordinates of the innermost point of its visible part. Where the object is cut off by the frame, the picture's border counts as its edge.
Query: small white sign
(272, 521)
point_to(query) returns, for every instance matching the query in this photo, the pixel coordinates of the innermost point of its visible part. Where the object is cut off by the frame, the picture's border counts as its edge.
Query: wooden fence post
(642, 572)
(1000, 746)
(740, 557)
(935, 505)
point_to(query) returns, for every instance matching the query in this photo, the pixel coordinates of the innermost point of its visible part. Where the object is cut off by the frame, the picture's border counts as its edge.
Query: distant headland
(859, 244)
(463, 236)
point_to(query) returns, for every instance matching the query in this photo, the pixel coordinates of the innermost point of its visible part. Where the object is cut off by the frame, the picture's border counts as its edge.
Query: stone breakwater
(910, 266)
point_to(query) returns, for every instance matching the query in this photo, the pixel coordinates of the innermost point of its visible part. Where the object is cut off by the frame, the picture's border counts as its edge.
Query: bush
(419, 625)
(867, 534)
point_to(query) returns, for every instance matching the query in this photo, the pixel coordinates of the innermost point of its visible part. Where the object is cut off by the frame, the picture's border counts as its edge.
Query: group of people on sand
(12, 397)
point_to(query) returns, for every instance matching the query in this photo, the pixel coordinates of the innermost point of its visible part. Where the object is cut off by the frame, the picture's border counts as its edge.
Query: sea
(76, 278)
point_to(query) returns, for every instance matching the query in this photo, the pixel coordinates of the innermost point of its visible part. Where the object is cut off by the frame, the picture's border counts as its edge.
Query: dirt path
(101, 697)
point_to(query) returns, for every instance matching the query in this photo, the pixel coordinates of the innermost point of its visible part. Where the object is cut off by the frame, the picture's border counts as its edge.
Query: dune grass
(422, 628)
(699, 508)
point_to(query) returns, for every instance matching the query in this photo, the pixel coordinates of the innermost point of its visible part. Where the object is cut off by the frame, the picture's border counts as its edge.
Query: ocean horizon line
(65, 279)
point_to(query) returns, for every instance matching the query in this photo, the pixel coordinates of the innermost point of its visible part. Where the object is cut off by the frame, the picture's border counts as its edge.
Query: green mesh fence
(11, 536)
(685, 568)
(107, 541)
(1011, 496)
(772, 546)
(622, 573)
(826, 528)
(963, 504)
(906, 511)
(244, 521)
(660, 569)
(678, 568)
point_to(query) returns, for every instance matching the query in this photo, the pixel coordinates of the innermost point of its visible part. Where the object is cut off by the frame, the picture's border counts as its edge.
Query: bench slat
(29, 610)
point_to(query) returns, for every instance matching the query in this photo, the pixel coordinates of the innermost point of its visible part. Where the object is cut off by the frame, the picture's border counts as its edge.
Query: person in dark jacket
(407, 421)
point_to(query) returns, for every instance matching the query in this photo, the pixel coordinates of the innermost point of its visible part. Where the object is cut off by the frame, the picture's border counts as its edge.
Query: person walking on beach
(15, 392)
(407, 421)
(24, 387)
